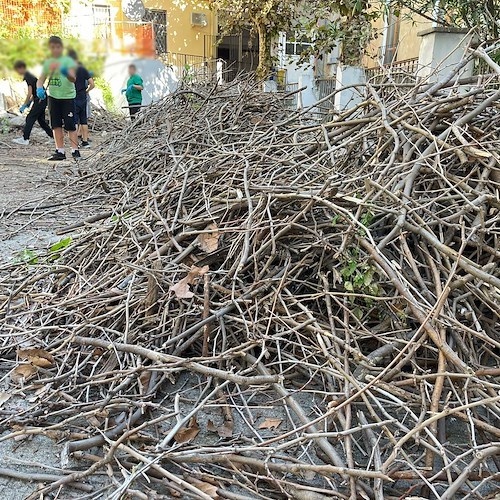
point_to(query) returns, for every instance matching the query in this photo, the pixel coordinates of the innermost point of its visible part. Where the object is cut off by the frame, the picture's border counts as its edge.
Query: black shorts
(62, 111)
(81, 117)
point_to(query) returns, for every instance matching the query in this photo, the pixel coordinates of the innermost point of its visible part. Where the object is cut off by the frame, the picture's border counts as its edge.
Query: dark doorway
(240, 52)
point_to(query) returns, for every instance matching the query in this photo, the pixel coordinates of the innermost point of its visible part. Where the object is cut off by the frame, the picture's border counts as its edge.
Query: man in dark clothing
(84, 84)
(37, 111)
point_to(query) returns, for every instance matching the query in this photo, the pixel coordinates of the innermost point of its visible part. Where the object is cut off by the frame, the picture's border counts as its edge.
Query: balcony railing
(398, 71)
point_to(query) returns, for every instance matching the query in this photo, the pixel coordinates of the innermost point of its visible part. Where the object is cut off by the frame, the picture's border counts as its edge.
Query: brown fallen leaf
(37, 357)
(271, 423)
(181, 289)
(195, 273)
(225, 430)
(207, 488)
(185, 434)
(144, 379)
(209, 242)
(23, 373)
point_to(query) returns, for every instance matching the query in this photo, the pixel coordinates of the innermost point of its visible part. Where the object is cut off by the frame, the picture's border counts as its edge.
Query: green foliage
(30, 50)
(30, 257)
(326, 22)
(57, 247)
(118, 218)
(33, 51)
(107, 93)
(4, 125)
(27, 256)
(61, 244)
(359, 275)
(482, 17)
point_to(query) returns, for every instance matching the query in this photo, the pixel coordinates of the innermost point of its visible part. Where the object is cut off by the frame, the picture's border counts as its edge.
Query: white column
(441, 49)
(350, 96)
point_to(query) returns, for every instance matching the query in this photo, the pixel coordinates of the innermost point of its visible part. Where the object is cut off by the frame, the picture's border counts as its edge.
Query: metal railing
(398, 71)
(193, 68)
(325, 87)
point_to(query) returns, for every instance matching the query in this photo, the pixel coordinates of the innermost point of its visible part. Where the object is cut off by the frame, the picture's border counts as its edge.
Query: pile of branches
(344, 273)
(102, 120)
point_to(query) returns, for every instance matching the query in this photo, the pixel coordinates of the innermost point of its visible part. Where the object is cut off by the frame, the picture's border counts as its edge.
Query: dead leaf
(181, 289)
(23, 373)
(207, 488)
(209, 242)
(37, 357)
(144, 379)
(225, 430)
(195, 273)
(271, 423)
(185, 434)
(4, 397)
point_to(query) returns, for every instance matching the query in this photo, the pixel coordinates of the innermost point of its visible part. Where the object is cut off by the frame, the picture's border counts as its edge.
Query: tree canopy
(345, 22)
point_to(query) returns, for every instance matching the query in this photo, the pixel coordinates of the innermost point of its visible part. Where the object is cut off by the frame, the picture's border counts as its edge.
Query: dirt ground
(36, 196)
(36, 201)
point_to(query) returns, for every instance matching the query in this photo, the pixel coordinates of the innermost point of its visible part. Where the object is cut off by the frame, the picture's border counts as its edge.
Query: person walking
(61, 73)
(83, 85)
(133, 92)
(37, 111)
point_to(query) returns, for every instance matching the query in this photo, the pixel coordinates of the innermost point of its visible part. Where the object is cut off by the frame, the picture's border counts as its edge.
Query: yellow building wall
(408, 41)
(182, 37)
(130, 37)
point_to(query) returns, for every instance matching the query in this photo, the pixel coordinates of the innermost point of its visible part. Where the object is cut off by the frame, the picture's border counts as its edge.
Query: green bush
(34, 51)
(107, 93)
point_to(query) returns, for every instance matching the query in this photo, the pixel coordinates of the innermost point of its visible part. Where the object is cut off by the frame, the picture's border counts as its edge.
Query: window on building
(158, 19)
(101, 19)
(297, 43)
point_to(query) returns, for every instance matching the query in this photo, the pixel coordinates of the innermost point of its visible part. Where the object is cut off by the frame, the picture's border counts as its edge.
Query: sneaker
(84, 144)
(21, 141)
(57, 156)
(76, 155)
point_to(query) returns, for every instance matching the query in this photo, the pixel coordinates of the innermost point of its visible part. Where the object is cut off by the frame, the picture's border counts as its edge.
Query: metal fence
(398, 72)
(325, 87)
(193, 68)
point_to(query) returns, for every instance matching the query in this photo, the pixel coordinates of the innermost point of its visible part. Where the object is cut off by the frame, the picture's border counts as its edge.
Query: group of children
(66, 95)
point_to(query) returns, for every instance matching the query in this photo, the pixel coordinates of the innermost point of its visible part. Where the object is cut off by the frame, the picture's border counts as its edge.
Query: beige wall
(408, 44)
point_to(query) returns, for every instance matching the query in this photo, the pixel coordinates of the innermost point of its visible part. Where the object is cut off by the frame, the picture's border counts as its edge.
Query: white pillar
(440, 50)
(350, 96)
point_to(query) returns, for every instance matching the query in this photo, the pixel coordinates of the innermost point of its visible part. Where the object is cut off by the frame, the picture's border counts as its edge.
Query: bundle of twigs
(102, 120)
(344, 272)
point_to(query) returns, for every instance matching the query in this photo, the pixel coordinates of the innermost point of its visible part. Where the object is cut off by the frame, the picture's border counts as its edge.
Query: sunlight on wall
(128, 37)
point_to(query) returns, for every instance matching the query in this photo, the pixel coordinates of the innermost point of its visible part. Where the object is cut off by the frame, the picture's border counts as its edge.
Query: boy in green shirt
(133, 92)
(61, 72)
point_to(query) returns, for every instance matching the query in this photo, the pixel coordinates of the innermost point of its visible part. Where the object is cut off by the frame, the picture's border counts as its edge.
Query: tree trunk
(264, 67)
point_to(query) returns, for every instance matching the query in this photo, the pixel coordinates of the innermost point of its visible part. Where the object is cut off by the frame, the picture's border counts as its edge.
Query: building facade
(149, 28)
